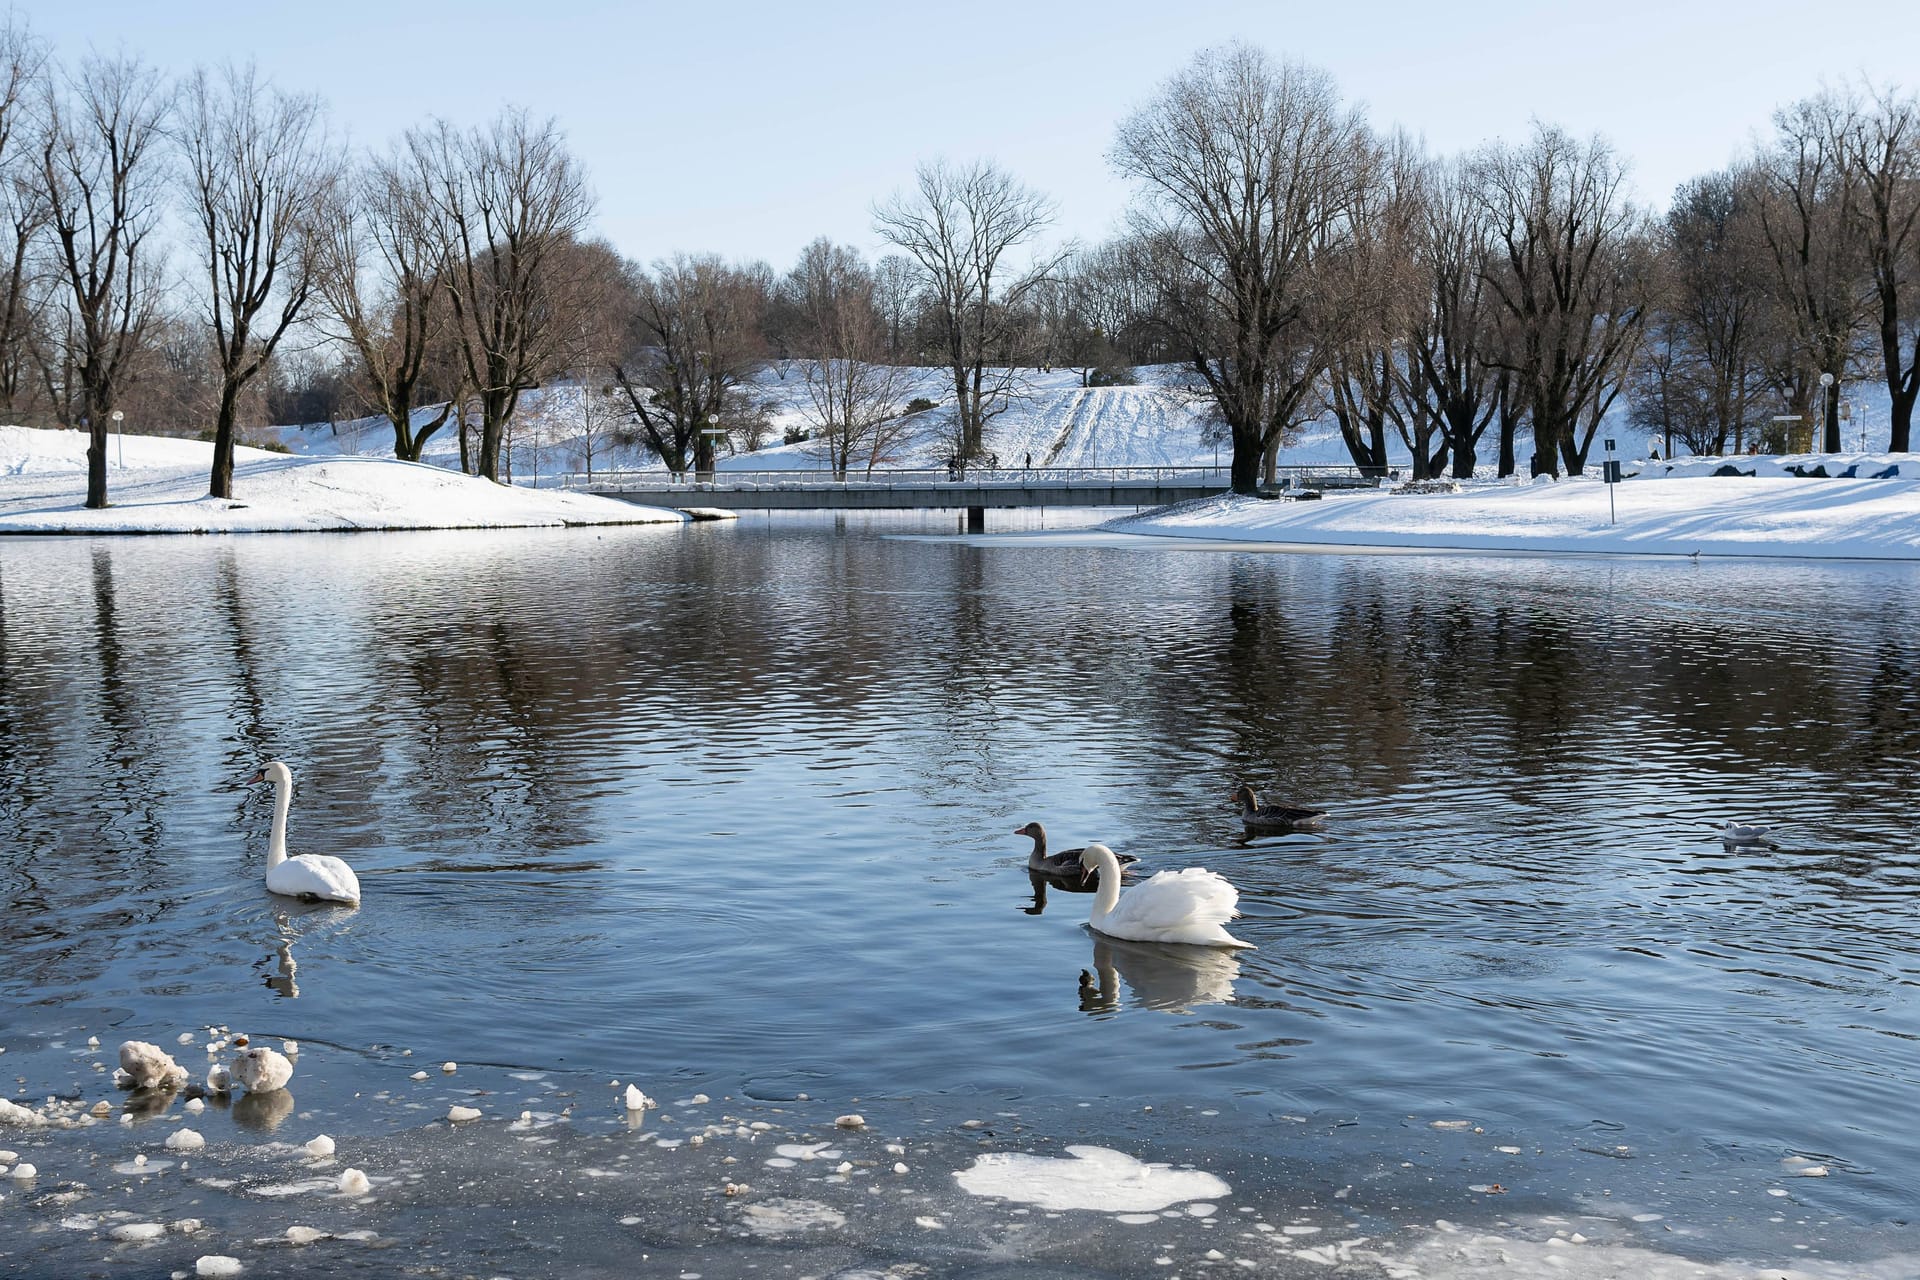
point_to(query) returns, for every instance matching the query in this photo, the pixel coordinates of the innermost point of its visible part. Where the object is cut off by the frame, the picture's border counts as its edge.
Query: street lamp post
(1829, 429)
(119, 437)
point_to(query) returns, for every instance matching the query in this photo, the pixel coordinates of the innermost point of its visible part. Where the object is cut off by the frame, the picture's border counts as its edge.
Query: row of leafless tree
(1290, 261)
(1297, 264)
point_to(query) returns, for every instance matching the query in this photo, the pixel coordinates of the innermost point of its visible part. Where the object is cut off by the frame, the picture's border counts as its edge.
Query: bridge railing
(934, 477)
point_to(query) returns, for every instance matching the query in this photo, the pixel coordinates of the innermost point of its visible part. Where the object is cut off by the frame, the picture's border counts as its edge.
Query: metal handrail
(937, 477)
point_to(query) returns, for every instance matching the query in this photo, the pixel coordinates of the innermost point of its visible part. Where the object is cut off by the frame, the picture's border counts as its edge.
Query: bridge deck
(932, 490)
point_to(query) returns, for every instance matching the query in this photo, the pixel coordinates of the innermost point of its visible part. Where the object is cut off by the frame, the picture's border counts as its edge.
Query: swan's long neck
(1101, 859)
(277, 844)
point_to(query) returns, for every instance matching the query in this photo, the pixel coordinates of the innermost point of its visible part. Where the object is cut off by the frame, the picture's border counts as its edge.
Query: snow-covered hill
(1053, 419)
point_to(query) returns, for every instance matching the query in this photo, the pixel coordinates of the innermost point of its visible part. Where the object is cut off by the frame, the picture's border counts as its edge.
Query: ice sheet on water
(1088, 1178)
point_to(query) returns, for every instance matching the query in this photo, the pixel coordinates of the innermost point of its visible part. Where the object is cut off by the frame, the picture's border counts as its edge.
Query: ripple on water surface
(737, 804)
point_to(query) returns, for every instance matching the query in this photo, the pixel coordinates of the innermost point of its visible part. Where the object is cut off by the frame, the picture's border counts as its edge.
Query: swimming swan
(311, 875)
(1190, 906)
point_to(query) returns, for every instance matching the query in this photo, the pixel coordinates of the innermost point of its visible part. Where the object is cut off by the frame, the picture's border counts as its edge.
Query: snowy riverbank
(158, 485)
(1765, 515)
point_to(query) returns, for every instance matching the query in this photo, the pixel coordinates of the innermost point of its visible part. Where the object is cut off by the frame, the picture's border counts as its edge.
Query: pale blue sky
(748, 129)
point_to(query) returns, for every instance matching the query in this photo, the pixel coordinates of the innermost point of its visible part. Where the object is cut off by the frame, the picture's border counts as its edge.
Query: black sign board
(1610, 471)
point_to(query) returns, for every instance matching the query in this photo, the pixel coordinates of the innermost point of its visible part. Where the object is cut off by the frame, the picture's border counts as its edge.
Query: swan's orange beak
(259, 776)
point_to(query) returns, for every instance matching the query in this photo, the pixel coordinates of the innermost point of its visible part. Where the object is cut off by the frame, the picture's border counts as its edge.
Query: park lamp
(119, 437)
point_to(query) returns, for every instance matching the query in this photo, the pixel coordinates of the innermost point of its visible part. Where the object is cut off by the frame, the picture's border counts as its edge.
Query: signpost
(1610, 473)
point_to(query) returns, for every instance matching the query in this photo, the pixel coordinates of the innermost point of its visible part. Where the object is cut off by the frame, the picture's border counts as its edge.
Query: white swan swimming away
(1190, 906)
(311, 875)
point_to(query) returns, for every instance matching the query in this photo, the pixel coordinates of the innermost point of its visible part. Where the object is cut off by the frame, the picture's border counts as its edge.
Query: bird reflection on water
(1162, 976)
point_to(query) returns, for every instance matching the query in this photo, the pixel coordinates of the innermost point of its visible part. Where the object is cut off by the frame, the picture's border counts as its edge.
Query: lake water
(730, 808)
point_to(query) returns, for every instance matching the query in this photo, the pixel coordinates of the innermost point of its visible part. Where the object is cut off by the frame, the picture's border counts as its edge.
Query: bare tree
(1569, 271)
(260, 169)
(693, 344)
(1880, 146)
(1811, 221)
(382, 280)
(960, 225)
(1368, 307)
(1702, 368)
(1449, 346)
(853, 391)
(508, 200)
(103, 175)
(896, 297)
(1249, 170)
(23, 197)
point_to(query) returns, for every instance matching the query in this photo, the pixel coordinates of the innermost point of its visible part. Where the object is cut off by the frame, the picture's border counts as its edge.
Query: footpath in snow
(162, 488)
(1690, 511)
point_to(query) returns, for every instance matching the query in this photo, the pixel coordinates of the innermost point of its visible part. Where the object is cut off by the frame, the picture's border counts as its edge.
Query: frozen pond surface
(726, 811)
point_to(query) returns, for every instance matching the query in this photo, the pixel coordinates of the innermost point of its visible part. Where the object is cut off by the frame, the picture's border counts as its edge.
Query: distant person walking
(1029, 462)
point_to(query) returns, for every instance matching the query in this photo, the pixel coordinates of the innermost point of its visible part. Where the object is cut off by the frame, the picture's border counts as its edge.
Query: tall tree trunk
(221, 483)
(1831, 442)
(96, 462)
(1247, 453)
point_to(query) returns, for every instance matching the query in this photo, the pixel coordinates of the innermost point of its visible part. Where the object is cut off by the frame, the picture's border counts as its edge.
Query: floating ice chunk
(217, 1266)
(418, 1075)
(699, 1098)
(354, 1183)
(304, 1235)
(855, 1121)
(449, 1067)
(899, 1168)
(262, 1070)
(1137, 1219)
(290, 1047)
(1090, 1178)
(23, 1171)
(138, 1231)
(458, 1114)
(319, 1148)
(93, 1042)
(185, 1140)
(219, 1079)
(636, 1100)
(185, 1037)
(149, 1066)
(186, 1226)
(1451, 1124)
(194, 1106)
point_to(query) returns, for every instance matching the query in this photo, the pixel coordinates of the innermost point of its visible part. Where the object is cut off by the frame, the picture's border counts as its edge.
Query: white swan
(311, 875)
(1190, 906)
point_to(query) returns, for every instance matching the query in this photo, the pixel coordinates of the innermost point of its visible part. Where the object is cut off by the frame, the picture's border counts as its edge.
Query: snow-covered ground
(158, 485)
(1052, 418)
(1689, 511)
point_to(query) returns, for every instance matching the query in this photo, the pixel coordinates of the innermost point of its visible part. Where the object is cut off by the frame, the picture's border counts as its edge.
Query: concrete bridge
(973, 490)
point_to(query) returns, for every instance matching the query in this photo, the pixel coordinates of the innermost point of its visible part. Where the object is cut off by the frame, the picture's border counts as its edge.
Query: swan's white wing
(314, 875)
(1173, 899)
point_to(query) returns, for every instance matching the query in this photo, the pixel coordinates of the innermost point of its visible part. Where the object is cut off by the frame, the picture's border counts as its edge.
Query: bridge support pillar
(976, 519)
